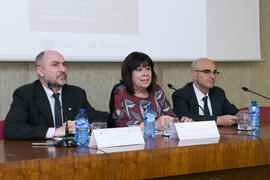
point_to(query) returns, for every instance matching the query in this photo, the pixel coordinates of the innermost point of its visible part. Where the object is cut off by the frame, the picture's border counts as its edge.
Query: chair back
(264, 114)
(2, 123)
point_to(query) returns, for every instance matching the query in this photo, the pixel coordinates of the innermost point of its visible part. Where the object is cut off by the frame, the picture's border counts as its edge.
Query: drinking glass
(243, 122)
(168, 124)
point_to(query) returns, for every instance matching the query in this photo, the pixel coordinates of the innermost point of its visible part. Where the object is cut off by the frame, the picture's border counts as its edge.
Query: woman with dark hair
(138, 89)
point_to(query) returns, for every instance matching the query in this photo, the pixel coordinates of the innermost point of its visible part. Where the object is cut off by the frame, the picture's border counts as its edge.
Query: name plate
(195, 130)
(121, 148)
(193, 142)
(111, 137)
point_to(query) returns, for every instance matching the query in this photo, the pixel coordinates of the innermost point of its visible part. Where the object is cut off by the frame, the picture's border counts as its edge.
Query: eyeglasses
(208, 71)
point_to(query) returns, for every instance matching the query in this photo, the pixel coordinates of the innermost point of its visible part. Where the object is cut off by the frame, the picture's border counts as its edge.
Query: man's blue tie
(205, 108)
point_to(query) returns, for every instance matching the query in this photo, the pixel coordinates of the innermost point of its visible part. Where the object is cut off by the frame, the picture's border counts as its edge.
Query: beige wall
(98, 78)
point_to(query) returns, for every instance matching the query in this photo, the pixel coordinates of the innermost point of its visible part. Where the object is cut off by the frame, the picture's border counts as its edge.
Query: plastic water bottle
(81, 125)
(149, 122)
(254, 115)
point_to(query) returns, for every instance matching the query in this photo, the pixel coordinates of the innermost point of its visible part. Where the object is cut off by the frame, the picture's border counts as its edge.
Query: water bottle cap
(81, 110)
(253, 102)
(149, 106)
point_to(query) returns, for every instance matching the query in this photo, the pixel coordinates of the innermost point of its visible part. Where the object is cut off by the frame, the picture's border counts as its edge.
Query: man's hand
(186, 119)
(161, 121)
(226, 120)
(61, 131)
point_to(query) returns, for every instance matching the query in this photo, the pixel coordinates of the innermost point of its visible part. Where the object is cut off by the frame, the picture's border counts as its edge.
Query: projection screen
(108, 30)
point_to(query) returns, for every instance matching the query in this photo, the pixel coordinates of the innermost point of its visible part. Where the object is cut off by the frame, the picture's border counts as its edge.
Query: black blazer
(185, 103)
(30, 113)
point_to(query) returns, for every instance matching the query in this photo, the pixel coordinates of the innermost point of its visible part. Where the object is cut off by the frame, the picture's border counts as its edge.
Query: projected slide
(108, 30)
(84, 16)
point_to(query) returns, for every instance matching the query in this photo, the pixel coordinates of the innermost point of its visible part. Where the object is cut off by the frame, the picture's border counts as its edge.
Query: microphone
(245, 89)
(66, 142)
(171, 87)
(50, 86)
(248, 90)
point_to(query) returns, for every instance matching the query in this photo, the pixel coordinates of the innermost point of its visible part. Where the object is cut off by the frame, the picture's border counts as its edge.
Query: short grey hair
(39, 58)
(194, 64)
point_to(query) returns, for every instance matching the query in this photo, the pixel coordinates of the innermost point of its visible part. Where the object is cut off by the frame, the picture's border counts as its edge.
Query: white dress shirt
(49, 93)
(200, 96)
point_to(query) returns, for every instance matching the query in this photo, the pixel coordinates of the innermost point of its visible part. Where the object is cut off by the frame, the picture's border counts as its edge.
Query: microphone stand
(248, 90)
(202, 111)
(173, 88)
(66, 141)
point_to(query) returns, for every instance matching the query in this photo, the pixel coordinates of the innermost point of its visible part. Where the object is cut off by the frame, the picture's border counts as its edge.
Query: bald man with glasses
(201, 100)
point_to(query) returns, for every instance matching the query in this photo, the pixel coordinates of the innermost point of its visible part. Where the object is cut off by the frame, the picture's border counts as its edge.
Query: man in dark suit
(201, 99)
(36, 113)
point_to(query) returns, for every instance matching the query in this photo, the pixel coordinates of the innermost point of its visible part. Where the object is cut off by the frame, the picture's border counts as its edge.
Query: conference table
(237, 155)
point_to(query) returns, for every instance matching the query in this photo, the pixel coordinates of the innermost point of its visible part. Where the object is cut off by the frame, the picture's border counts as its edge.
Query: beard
(54, 83)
